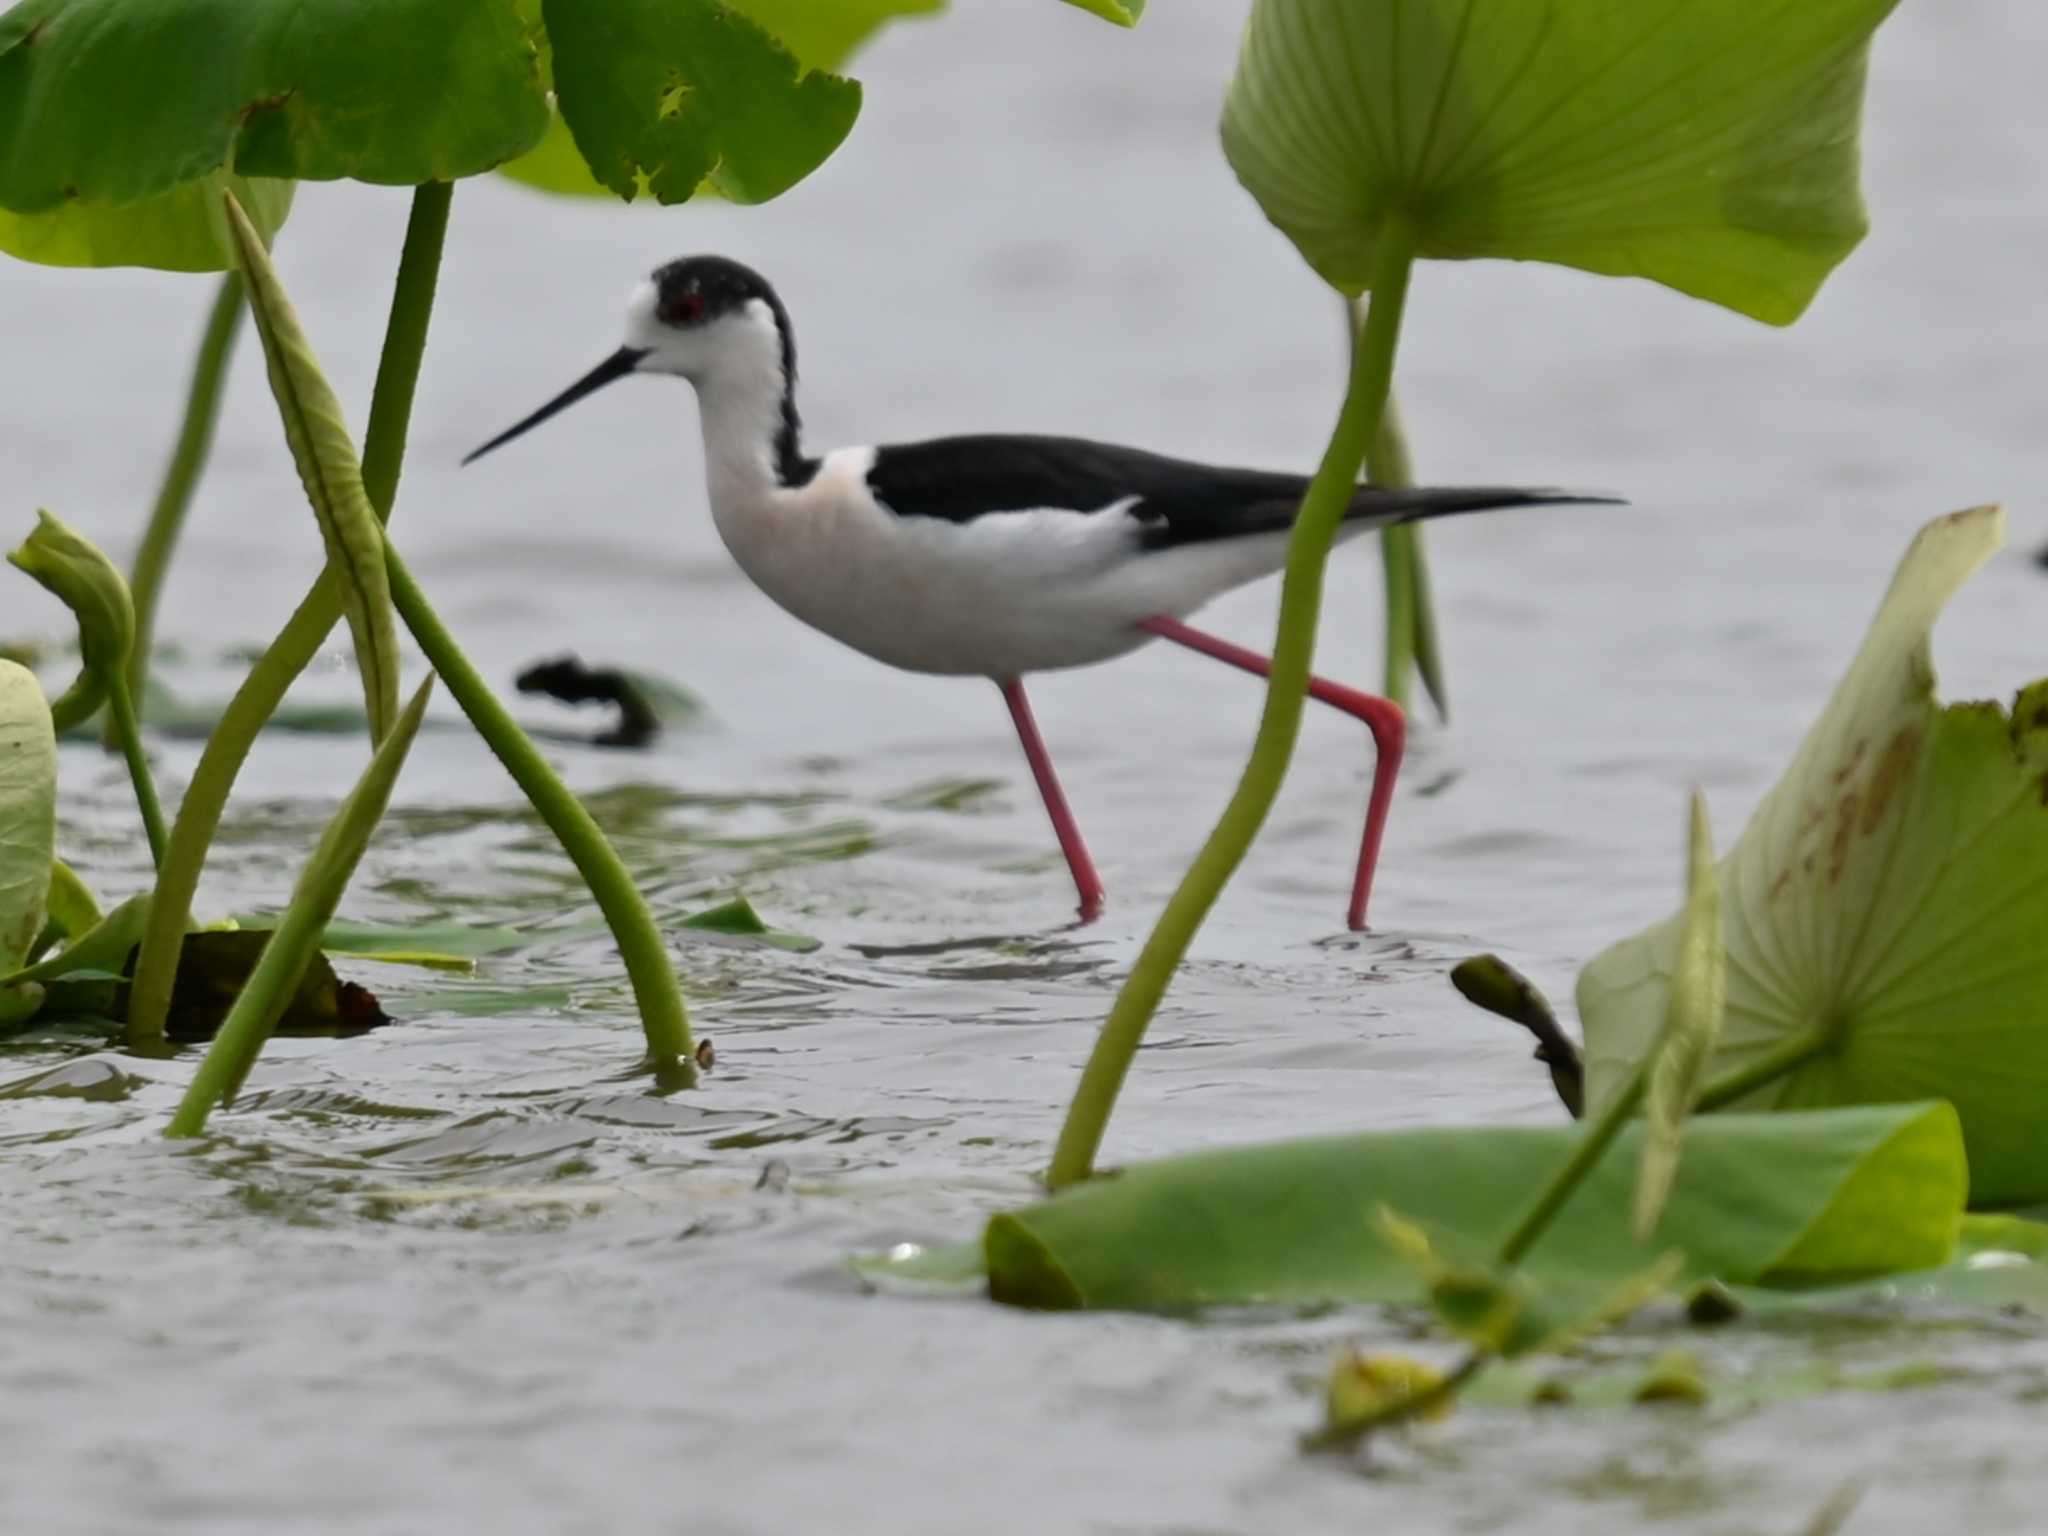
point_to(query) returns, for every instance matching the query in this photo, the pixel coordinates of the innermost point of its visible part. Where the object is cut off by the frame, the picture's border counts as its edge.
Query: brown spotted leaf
(1892, 892)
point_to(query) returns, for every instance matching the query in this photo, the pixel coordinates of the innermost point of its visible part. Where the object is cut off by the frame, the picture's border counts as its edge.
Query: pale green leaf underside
(1892, 889)
(182, 230)
(28, 811)
(333, 478)
(1710, 145)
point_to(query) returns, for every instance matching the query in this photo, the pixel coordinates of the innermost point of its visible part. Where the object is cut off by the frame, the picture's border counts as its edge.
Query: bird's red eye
(684, 309)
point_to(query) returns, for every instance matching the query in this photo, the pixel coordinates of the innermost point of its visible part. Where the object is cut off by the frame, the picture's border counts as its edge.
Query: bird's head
(702, 317)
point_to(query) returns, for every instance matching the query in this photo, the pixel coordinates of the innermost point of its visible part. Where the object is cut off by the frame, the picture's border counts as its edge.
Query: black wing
(958, 479)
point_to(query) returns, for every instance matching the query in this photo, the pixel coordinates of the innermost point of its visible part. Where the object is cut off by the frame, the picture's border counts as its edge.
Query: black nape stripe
(719, 286)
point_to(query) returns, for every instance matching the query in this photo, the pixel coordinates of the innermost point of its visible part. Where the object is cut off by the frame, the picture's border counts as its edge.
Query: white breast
(998, 596)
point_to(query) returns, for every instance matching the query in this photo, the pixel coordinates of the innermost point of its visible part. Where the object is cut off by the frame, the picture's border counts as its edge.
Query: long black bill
(617, 366)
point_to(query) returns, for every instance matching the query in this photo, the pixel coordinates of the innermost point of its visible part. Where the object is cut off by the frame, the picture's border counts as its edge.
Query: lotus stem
(1301, 593)
(181, 477)
(1598, 1138)
(296, 645)
(127, 732)
(655, 989)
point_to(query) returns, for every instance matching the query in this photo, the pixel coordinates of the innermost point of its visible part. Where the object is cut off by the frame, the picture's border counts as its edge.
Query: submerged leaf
(739, 919)
(1885, 913)
(330, 472)
(214, 969)
(666, 94)
(1692, 1024)
(1759, 1198)
(1703, 144)
(28, 811)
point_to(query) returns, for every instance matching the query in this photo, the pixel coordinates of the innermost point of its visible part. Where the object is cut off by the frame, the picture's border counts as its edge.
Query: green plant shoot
(75, 571)
(328, 469)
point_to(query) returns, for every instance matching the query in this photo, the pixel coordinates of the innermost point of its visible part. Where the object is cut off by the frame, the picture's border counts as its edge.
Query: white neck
(740, 393)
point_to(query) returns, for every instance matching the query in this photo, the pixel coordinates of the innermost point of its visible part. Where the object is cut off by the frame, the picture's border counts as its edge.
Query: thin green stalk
(1397, 565)
(1774, 1064)
(1411, 646)
(1766, 1069)
(1308, 552)
(128, 735)
(181, 476)
(655, 989)
(296, 645)
(1598, 1137)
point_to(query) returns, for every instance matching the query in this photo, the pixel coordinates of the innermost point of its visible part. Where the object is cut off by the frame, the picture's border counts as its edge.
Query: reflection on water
(477, 1253)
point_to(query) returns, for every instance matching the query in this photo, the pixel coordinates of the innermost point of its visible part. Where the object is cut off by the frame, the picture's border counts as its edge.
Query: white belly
(999, 596)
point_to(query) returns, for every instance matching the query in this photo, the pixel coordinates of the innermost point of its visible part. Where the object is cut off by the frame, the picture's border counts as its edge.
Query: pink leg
(1086, 882)
(1382, 717)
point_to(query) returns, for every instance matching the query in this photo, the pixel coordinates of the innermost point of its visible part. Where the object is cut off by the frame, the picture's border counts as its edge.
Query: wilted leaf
(1703, 144)
(1489, 982)
(1692, 1024)
(1885, 905)
(330, 472)
(214, 970)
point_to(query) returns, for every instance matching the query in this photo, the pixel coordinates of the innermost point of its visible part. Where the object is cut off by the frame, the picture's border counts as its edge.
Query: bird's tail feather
(1381, 507)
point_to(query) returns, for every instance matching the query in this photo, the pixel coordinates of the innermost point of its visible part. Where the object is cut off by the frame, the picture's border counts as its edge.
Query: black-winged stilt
(986, 556)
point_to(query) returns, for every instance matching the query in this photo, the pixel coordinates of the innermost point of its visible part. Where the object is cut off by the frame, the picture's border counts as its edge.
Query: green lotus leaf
(114, 101)
(330, 472)
(180, 230)
(28, 811)
(823, 34)
(1772, 1199)
(667, 94)
(1885, 910)
(1709, 145)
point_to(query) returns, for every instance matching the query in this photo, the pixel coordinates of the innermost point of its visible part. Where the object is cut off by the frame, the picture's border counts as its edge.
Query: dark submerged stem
(1301, 594)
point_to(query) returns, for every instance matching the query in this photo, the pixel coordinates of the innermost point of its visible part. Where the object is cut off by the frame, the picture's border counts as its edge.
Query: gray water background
(307, 1325)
